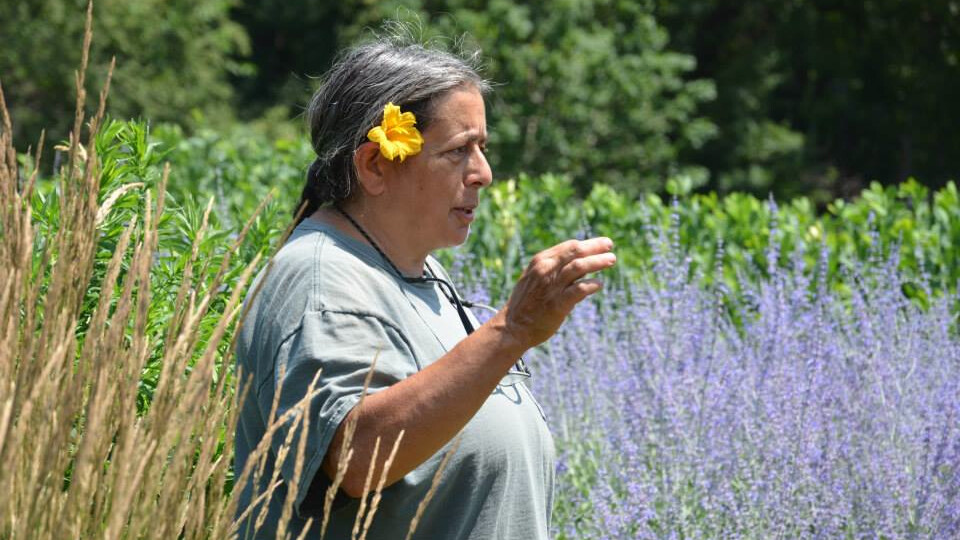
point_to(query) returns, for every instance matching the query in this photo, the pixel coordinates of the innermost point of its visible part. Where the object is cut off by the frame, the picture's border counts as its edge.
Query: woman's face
(437, 190)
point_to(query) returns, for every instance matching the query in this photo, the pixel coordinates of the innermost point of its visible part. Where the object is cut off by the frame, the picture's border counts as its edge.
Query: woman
(400, 133)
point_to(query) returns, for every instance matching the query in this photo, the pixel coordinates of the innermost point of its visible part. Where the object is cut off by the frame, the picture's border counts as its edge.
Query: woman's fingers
(569, 261)
(577, 291)
(578, 268)
(561, 265)
(570, 250)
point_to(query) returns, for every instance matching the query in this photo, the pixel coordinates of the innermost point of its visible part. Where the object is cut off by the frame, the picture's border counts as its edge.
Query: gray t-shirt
(330, 304)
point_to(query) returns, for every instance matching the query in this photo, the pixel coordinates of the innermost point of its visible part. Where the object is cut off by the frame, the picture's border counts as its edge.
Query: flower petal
(397, 135)
(377, 135)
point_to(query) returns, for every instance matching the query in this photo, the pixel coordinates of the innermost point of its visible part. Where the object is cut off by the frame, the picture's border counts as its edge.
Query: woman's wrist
(506, 340)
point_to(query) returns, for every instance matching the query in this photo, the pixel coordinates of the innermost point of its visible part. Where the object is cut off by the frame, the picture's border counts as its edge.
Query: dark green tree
(821, 97)
(588, 88)
(291, 42)
(173, 58)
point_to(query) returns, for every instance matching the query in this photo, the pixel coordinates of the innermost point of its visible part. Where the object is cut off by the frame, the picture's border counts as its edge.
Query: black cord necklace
(519, 371)
(445, 286)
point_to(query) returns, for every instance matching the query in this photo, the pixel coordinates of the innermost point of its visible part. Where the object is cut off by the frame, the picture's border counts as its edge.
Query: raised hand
(552, 284)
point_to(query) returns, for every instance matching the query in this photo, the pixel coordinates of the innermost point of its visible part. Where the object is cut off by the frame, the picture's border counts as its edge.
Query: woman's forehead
(462, 111)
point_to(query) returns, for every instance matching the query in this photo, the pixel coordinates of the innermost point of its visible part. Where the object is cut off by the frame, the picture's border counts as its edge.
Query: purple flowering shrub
(680, 411)
(811, 417)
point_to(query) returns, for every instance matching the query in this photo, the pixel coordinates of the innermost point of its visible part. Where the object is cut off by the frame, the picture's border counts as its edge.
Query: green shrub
(520, 216)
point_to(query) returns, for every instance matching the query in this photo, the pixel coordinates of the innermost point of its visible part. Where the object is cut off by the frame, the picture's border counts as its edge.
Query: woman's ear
(367, 161)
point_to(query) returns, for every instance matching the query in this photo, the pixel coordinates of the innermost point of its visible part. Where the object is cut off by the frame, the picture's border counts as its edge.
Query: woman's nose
(480, 173)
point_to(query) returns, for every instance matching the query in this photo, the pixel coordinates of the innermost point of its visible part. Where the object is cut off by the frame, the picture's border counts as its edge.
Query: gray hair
(351, 99)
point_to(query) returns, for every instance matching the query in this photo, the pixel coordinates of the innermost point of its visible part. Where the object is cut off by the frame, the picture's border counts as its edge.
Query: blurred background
(814, 98)
(776, 354)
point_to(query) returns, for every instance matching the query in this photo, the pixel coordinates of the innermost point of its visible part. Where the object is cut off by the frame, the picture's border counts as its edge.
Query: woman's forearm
(431, 407)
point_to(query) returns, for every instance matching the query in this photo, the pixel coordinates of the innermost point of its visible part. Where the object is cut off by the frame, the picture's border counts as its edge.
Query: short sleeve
(341, 347)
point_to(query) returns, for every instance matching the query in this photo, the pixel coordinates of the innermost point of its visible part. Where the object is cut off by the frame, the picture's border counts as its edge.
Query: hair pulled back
(351, 99)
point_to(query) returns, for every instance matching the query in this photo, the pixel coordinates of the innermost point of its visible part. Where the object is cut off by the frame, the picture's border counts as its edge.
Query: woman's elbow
(354, 482)
(352, 485)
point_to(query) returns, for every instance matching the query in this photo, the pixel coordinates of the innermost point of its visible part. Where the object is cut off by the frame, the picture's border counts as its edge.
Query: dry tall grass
(76, 459)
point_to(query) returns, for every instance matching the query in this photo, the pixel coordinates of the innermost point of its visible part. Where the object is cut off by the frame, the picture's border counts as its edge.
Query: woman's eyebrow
(470, 135)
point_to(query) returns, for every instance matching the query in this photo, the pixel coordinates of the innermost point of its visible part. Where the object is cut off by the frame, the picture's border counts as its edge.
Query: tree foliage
(795, 98)
(291, 41)
(590, 88)
(173, 58)
(813, 98)
(823, 97)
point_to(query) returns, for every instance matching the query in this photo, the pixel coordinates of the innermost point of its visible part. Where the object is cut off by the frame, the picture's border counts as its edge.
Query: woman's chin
(459, 229)
(457, 237)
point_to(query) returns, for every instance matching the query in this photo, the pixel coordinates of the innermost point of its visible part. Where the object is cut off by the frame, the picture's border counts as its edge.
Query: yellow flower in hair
(397, 135)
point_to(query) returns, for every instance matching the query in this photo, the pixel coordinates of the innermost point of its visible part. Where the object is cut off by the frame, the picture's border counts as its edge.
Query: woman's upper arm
(329, 358)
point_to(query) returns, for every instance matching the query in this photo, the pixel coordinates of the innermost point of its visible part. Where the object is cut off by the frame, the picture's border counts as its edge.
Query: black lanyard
(520, 368)
(445, 286)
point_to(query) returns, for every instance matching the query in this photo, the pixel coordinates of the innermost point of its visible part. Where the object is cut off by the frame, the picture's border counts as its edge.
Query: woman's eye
(466, 150)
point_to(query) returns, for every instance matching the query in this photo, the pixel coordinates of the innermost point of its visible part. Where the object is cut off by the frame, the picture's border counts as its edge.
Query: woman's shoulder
(330, 271)
(315, 272)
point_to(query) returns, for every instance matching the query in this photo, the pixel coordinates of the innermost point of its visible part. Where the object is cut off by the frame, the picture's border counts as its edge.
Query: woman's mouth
(465, 213)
